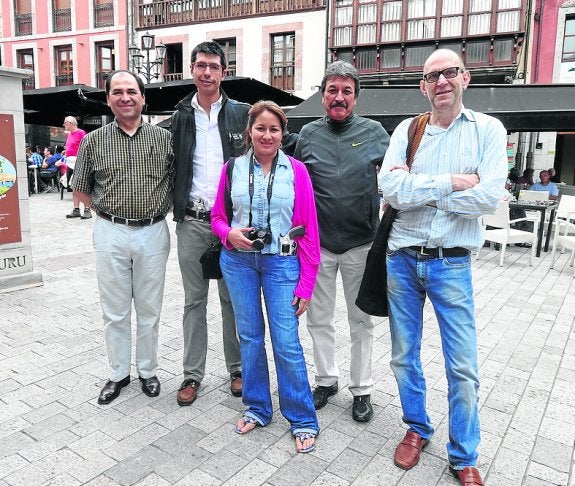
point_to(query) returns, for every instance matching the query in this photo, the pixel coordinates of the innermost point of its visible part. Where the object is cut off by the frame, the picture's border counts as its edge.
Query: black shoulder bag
(210, 259)
(372, 295)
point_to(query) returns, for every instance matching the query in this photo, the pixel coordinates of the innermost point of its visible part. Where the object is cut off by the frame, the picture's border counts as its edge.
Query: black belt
(434, 252)
(198, 214)
(130, 222)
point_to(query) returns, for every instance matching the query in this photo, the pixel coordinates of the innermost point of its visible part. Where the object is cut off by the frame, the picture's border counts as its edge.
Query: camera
(287, 244)
(260, 238)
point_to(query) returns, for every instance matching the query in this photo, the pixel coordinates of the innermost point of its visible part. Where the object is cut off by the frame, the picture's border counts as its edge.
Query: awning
(49, 106)
(520, 107)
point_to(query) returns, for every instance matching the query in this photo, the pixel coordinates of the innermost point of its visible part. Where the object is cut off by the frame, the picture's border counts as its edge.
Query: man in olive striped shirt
(124, 171)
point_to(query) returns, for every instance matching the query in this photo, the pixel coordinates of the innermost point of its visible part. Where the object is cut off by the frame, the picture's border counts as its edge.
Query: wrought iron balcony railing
(104, 14)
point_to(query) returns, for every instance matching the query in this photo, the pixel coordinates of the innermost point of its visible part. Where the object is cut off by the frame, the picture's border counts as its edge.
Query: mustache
(337, 104)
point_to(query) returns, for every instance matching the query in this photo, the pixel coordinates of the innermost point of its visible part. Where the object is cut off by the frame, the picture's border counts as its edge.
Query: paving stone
(54, 364)
(138, 466)
(223, 465)
(255, 473)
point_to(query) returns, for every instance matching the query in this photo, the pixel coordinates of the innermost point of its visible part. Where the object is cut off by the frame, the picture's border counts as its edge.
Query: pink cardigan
(304, 213)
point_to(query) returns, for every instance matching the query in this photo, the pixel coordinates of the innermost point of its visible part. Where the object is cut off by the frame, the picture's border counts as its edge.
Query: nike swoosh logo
(355, 144)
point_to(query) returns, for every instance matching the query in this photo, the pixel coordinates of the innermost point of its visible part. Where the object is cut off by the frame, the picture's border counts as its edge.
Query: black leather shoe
(362, 411)
(322, 393)
(111, 390)
(151, 386)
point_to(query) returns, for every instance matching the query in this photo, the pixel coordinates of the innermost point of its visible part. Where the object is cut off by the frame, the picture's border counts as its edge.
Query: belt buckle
(422, 251)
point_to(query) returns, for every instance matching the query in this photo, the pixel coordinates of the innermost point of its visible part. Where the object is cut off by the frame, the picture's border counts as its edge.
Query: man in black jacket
(207, 130)
(341, 152)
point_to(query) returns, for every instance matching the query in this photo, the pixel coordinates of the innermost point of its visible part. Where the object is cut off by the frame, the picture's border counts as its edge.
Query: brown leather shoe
(468, 476)
(408, 451)
(187, 392)
(236, 385)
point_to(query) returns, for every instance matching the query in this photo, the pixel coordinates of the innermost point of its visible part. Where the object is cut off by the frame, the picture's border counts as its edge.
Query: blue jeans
(447, 283)
(246, 275)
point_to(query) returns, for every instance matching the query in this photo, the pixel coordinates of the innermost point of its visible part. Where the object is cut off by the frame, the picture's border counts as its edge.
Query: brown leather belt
(130, 222)
(198, 214)
(435, 252)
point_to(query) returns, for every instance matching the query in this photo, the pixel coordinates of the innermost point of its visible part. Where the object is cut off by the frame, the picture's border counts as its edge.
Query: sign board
(10, 231)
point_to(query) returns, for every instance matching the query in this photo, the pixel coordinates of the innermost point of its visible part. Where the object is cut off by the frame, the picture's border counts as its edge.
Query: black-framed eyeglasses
(448, 73)
(202, 66)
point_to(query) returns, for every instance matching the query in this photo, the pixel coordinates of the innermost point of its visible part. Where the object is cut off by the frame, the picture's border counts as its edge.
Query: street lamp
(149, 69)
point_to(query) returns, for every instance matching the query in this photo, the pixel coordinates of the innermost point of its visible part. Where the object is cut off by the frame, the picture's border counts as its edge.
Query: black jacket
(232, 121)
(342, 159)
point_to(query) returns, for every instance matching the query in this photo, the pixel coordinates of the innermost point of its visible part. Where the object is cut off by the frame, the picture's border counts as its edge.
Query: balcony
(177, 12)
(172, 76)
(62, 20)
(104, 14)
(23, 24)
(28, 83)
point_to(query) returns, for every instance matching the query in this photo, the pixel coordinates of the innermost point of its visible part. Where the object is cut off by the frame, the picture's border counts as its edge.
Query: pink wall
(42, 41)
(544, 38)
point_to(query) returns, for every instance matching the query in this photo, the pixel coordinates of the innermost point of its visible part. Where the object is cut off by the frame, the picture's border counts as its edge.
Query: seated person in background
(34, 160)
(512, 178)
(546, 185)
(526, 178)
(48, 168)
(553, 177)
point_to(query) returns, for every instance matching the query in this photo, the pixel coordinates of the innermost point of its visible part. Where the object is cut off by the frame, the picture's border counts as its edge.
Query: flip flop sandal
(302, 437)
(247, 420)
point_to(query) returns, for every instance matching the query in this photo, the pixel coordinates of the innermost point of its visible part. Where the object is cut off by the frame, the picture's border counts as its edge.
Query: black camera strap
(269, 191)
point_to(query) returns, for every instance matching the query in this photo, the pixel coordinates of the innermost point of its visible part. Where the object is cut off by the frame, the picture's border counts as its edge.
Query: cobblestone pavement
(53, 364)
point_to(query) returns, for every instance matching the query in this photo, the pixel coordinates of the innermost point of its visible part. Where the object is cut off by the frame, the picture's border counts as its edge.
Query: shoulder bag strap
(414, 135)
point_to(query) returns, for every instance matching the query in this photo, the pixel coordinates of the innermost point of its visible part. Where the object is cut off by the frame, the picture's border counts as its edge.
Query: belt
(130, 222)
(198, 214)
(435, 252)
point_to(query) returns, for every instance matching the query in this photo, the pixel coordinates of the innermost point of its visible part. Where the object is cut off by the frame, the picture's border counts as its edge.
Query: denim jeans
(447, 283)
(246, 275)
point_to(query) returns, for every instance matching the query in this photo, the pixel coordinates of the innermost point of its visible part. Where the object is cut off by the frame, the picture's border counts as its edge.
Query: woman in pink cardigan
(264, 196)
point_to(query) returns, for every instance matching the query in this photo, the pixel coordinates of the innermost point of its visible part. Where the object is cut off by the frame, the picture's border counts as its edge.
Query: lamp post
(148, 69)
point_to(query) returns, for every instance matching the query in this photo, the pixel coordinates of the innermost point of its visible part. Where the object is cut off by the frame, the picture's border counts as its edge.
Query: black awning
(49, 106)
(520, 107)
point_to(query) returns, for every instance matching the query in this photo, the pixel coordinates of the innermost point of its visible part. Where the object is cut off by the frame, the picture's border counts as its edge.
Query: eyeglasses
(448, 73)
(202, 66)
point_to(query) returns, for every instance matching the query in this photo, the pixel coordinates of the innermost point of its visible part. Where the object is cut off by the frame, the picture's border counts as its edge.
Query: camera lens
(258, 244)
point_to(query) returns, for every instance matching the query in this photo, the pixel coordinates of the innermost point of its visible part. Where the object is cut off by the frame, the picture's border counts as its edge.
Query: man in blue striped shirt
(458, 174)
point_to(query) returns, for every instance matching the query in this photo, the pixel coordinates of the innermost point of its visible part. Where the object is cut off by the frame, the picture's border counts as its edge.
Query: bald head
(444, 54)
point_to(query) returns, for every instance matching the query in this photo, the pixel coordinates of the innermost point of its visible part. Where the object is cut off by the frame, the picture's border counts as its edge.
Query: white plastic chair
(566, 205)
(563, 239)
(504, 234)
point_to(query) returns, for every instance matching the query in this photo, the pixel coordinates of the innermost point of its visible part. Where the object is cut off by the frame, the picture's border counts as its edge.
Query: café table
(542, 207)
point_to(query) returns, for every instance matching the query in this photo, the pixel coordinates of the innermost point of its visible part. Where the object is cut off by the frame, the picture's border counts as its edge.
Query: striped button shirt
(127, 176)
(474, 143)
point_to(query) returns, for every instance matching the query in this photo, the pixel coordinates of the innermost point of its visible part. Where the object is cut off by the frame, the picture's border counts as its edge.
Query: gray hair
(72, 120)
(341, 69)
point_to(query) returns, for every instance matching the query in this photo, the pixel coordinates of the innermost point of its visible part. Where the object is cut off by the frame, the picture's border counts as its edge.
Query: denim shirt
(282, 199)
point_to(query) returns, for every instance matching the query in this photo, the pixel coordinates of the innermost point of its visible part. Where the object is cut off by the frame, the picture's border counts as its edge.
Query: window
(503, 50)
(569, 40)
(416, 56)
(391, 21)
(23, 17)
(421, 19)
(229, 47)
(103, 13)
(105, 62)
(173, 63)
(479, 21)
(366, 16)
(25, 60)
(366, 59)
(64, 66)
(283, 61)
(61, 15)
(343, 20)
(391, 58)
(452, 18)
(477, 52)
